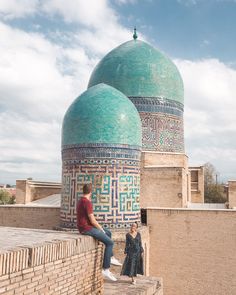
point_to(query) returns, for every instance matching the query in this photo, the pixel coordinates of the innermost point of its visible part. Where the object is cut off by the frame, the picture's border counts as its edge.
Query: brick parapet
(29, 217)
(70, 266)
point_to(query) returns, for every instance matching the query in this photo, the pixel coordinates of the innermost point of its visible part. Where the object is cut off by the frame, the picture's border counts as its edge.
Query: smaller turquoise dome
(102, 114)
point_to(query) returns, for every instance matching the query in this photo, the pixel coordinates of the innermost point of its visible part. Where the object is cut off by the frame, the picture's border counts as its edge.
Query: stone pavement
(144, 286)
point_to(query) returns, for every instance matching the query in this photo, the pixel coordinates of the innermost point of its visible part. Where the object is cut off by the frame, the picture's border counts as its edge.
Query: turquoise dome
(102, 114)
(139, 70)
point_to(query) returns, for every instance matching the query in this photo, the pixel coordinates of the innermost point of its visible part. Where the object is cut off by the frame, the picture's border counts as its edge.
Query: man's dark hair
(87, 188)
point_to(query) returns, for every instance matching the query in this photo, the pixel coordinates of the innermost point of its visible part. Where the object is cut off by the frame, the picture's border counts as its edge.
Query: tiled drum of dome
(101, 144)
(115, 179)
(162, 124)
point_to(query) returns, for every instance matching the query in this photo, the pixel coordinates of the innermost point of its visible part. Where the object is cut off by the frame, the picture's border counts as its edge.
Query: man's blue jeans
(105, 238)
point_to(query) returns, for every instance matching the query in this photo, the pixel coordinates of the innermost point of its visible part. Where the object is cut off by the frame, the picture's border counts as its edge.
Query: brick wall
(164, 180)
(194, 251)
(162, 187)
(29, 217)
(232, 193)
(58, 267)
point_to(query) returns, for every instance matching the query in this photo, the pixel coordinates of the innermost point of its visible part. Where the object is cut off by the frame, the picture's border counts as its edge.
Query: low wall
(232, 193)
(31, 190)
(206, 206)
(29, 217)
(71, 266)
(194, 251)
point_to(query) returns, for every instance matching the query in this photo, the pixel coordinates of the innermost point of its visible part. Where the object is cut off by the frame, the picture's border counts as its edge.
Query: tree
(6, 198)
(214, 192)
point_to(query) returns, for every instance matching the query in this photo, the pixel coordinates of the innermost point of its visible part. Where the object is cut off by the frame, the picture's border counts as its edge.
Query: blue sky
(49, 48)
(186, 29)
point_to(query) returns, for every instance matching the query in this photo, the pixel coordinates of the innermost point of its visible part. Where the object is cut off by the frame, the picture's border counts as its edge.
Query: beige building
(197, 184)
(30, 190)
(232, 194)
(165, 180)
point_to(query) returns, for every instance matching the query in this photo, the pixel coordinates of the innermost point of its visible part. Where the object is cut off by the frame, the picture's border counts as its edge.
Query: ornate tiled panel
(115, 179)
(162, 124)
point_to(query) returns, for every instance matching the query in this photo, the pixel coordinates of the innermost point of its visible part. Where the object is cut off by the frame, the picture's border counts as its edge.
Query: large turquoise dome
(139, 70)
(102, 114)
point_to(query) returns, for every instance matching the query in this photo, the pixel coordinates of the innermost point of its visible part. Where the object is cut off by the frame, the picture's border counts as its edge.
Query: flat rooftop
(12, 237)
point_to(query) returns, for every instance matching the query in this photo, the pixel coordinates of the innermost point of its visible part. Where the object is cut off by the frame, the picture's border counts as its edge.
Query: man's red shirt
(84, 208)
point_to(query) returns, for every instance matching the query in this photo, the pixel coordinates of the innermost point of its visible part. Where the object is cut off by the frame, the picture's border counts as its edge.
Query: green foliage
(6, 198)
(214, 192)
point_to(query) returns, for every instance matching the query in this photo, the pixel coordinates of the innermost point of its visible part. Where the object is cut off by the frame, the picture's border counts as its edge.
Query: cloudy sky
(48, 49)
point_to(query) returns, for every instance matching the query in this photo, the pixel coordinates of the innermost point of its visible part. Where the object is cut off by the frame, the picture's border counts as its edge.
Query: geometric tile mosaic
(162, 124)
(116, 189)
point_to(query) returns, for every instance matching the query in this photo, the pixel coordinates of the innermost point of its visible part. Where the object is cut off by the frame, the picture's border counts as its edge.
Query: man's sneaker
(108, 275)
(114, 261)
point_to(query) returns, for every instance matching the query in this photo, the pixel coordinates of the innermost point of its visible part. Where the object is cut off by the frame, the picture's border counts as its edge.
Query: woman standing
(133, 263)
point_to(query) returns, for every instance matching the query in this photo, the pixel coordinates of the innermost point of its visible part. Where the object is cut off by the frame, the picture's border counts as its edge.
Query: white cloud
(100, 31)
(10, 9)
(210, 121)
(29, 74)
(91, 13)
(35, 92)
(123, 2)
(39, 79)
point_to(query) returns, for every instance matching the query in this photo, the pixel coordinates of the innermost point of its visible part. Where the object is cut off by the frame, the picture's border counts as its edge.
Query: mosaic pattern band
(162, 124)
(162, 133)
(116, 186)
(158, 105)
(100, 153)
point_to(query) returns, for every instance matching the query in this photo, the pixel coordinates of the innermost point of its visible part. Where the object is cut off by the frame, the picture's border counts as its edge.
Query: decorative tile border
(162, 124)
(116, 185)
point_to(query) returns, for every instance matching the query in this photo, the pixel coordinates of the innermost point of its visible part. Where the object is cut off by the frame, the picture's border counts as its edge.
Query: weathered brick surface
(232, 194)
(194, 251)
(29, 217)
(68, 266)
(164, 180)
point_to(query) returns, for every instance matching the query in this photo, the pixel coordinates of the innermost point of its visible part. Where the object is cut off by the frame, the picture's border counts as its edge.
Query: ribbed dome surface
(102, 114)
(139, 70)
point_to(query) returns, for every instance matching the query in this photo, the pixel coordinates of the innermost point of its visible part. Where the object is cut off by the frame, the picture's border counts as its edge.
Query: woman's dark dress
(133, 263)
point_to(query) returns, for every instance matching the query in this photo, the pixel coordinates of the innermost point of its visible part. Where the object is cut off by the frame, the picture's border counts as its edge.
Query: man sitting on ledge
(88, 225)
